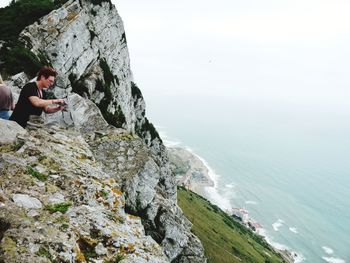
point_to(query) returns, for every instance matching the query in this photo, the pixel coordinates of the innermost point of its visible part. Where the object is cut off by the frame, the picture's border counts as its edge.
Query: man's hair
(46, 72)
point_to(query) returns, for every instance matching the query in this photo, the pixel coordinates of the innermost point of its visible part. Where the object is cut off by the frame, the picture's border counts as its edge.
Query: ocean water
(286, 163)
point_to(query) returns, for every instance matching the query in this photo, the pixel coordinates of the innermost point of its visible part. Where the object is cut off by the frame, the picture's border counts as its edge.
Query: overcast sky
(286, 50)
(274, 49)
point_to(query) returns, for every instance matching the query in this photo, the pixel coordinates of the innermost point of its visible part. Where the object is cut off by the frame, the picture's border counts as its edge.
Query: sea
(259, 90)
(286, 163)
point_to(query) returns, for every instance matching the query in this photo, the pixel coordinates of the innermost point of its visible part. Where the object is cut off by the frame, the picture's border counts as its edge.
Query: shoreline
(193, 173)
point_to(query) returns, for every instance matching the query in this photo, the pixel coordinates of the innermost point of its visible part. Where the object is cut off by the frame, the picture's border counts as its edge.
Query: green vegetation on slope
(223, 238)
(19, 14)
(16, 57)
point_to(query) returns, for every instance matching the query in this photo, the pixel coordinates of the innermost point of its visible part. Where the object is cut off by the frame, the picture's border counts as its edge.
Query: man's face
(48, 82)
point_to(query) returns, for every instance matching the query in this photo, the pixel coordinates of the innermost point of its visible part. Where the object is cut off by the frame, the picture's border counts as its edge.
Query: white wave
(328, 250)
(168, 142)
(294, 230)
(251, 202)
(269, 240)
(171, 144)
(334, 260)
(277, 224)
(217, 199)
(297, 257)
(229, 185)
(212, 192)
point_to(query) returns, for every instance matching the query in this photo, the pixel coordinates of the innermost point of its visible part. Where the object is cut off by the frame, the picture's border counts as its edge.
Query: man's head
(46, 77)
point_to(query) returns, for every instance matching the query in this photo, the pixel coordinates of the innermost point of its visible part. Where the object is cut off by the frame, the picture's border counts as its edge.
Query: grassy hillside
(224, 239)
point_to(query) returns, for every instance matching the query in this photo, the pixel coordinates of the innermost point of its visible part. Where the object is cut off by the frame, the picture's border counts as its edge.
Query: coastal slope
(223, 238)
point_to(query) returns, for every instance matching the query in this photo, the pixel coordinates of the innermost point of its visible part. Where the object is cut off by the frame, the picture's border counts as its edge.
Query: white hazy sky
(286, 50)
(274, 49)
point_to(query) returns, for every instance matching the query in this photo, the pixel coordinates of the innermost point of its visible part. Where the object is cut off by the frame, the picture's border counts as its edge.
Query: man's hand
(59, 102)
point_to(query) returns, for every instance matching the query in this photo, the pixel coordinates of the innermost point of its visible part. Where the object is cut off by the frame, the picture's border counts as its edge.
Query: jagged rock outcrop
(85, 41)
(57, 203)
(86, 44)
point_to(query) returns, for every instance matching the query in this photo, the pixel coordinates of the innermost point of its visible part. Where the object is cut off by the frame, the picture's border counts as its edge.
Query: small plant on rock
(60, 207)
(36, 174)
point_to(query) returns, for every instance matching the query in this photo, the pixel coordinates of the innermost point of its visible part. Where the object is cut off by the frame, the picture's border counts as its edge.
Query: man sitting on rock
(31, 102)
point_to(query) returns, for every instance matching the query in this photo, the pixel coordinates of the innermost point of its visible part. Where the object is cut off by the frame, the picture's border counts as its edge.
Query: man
(6, 101)
(31, 102)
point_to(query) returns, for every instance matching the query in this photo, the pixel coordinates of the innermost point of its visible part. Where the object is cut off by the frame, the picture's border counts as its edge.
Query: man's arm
(53, 109)
(40, 103)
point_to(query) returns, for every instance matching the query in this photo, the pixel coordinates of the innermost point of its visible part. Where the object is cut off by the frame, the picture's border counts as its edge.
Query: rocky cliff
(101, 160)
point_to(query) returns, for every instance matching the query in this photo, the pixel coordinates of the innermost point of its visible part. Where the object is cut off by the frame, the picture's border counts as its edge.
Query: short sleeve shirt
(24, 108)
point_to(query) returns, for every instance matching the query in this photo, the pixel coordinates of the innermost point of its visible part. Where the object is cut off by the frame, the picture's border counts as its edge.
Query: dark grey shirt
(6, 98)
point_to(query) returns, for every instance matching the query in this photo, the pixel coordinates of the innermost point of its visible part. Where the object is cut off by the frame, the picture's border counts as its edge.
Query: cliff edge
(102, 160)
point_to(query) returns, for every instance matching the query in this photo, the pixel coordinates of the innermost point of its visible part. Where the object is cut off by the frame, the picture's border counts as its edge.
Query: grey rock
(33, 213)
(100, 249)
(56, 198)
(96, 215)
(140, 189)
(9, 131)
(26, 201)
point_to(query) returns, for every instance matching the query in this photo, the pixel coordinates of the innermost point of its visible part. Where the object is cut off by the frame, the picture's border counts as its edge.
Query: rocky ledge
(63, 196)
(58, 204)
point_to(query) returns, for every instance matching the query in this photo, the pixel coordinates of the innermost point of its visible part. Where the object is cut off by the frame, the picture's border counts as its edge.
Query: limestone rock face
(141, 176)
(58, 203)
(86, 44)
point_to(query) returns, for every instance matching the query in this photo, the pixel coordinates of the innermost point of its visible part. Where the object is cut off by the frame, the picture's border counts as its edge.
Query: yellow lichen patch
(120, 219)
(127, 137)
(9, 247)
(117, 192)
(6, 148)
(127, 249)
(61, 219)
(49, 20)
(80, 258)
(133, 217)
(109, 181)
(50, 188)
(89, 241)
(49, 163)
(116, 203)
(137, 233)
(71, 16)
(22, 178)
(83, 157)
(78, 182)
(105, 203)
(22, 250)
(114, 234)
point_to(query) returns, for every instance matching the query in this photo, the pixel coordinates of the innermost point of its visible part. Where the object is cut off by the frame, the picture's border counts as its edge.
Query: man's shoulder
(29, 85)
